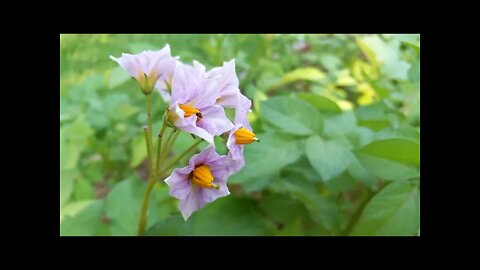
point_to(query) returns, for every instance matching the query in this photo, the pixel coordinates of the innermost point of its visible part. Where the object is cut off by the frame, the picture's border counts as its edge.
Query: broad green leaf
(281, 207)
(395, 210)
(303, 167)
(398, 150)
(373, 116)
(391, 159)
(124, 202)
(81, 218)
(359, 173)
(405, 132)
(172, 226)
(231, 216)
(322, 103)
(258, 157)
(306, 73)
(292, 115)
(327, 158)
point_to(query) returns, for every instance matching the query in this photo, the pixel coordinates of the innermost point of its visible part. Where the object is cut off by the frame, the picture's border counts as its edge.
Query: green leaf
(292, 115)
(320, 209)
(322, 103)
(118, 76)
(395, 210)
(327, 158)
(306, 73)
(231, 216)
(373, 116)
(259, 156)
(405, 132)
(399, 150)
(139, 151)
(79, 130)
(66, 184)
(124, 203)
(83, 190)
(391, 159)
(281, 207)
(359, 173)
(172, 226)
(81, 218)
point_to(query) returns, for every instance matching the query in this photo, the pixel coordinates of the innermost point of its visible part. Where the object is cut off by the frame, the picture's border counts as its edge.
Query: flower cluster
(197, 99)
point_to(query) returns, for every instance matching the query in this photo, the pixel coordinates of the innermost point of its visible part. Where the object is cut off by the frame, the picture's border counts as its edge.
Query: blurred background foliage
(337, 115)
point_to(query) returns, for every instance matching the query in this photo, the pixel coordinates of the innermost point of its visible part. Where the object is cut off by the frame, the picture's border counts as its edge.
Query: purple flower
(192, 106)
(149, 67)
(242, 132)
(202, 181)
(227, 83)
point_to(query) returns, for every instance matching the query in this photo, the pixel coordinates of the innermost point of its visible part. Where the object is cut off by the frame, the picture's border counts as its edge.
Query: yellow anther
(244, 136)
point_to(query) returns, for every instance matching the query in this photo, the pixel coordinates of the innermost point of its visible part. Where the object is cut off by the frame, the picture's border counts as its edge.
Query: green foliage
(395, 210)
(337, 116)
(292, 116)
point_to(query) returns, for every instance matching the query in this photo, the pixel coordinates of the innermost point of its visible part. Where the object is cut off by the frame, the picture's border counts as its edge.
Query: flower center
(202, 177)
(244, 136)
(146, 82)
(190, 110)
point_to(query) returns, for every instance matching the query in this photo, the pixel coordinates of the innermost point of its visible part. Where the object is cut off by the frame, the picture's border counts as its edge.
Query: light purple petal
(206, 94)
(235, 150)
(223, 167)
(182, 86)
(205, 156)
(241, 110)
(179, 182)
(162, 88)
(127, 62)
(210, 195)
(189, 124)
(147, 61)
(228, 83)
(214, 120)
(193, 202)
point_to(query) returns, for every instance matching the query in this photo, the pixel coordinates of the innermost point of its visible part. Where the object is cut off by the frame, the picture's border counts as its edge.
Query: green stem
(143, 213)
(159, 148)
(148, 140)
(151, 183)
(168, 145)
(151, 169)
(169, 166)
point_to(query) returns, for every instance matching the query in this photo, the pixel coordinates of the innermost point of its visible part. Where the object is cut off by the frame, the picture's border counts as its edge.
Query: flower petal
(183, 86)
(127, 62)
(192, 203)
(189, 124)
(214, 120)
(210, 195)
(179, 183)
(206, 156)
(241, 110)
(228, 83)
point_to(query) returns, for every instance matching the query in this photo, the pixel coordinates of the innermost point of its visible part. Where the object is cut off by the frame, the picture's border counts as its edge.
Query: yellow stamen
(189, 111)
(244, 136)
(202, 177)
